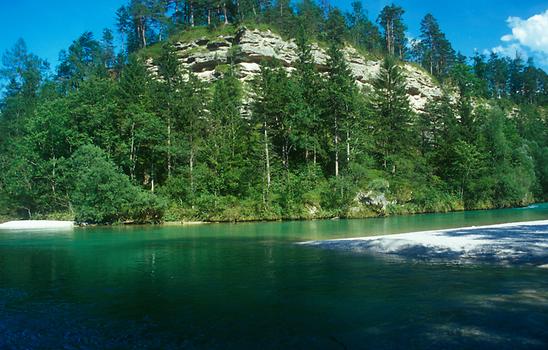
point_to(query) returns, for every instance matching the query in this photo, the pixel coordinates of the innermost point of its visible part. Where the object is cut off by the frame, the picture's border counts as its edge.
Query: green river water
(236, 286)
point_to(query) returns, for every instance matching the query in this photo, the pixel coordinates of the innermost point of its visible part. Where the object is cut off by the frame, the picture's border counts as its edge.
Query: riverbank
(520, 242)
(171, 220)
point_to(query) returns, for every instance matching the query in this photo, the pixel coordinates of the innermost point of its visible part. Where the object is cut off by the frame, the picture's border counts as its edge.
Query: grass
(210, 33)
(188, 35)
(222, 68)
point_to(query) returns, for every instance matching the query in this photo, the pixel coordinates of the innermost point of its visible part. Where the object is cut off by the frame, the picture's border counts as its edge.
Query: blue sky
(49, 26)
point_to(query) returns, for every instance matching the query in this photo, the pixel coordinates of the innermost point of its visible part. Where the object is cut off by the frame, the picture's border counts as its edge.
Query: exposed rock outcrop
(249, 48)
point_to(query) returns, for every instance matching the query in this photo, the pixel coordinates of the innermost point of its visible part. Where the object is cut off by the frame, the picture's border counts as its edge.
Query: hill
(267, 114)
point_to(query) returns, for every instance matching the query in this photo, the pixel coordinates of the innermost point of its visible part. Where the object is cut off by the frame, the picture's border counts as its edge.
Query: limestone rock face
(249, 48)
(373, 199)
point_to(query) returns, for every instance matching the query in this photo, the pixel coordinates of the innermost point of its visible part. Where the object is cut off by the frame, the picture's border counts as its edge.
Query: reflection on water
(249, 285)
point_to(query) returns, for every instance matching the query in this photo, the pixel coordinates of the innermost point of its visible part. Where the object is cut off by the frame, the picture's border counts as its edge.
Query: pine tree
(309, 84)
(335, 27)
(140, 126)
(391, 21)
(434, 50)
(393, 115)
(339, 108)
(169, 70)
(225, 149)
(362, 31)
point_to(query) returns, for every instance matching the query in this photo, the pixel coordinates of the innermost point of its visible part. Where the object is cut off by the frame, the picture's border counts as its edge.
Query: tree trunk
(169, 147)
(142, 31)
(191, 14)
(385, 160)
(132, 153)
(347, 147)
(389, 37)
(267, 157)
(53, 175)
(336, 148)
(191, 168)
(152, 179)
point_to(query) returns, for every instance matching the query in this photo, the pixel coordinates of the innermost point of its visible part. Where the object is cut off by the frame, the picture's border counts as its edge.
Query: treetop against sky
(470, 25)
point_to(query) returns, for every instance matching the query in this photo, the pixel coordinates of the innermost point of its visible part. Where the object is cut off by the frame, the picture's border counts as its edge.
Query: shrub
(100, 193)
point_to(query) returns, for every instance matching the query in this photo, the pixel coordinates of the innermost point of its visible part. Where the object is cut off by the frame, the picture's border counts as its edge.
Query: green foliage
(100, 193)
(434, 51)
(395, 139)
(391, 21)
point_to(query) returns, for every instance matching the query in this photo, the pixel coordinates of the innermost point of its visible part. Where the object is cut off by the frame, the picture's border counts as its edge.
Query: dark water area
(224, 286)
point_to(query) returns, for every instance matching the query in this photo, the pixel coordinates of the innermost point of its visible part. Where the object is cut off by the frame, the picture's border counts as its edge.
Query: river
(235, 286)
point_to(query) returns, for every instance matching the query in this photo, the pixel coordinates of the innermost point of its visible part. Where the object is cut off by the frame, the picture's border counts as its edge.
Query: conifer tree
(434, 50)
(391, 21)
(393, 115)
(339, 109)
(362, 32)
(310, 85)
(225, 150)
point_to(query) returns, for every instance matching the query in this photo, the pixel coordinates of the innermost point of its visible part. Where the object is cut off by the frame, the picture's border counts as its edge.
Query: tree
(168, 88)
(274, 109)
(392, 113)
(468, 86)
(226, 147)
(192, 98)
(335, 27)
(309, 83)
(311, 18)
(480, 69)
(24, 73)
(467, 162)
(102, 194)
(140, 127)
(23, 70)
(83, 60)
(339, 107)
(434, 50)
(516, 69)
(362, 32)
(497, 75)
(107, 47)
(391, 21)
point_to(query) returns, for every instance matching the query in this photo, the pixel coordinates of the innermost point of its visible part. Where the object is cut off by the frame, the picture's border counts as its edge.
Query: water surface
(250, 286)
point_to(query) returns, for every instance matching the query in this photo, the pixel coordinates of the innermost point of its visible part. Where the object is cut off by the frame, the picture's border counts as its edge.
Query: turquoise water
(250, 286)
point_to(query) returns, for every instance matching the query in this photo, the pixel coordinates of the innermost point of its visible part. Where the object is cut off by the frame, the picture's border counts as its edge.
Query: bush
(100, 193)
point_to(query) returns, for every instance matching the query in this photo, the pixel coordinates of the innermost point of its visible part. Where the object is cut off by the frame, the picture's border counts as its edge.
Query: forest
(101, 140)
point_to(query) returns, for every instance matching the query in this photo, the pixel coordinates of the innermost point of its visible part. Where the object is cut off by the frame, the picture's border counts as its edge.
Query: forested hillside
(128, 134)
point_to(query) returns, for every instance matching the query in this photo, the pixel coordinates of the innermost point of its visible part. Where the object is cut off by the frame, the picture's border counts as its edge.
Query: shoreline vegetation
(67, 218)
(117, 135)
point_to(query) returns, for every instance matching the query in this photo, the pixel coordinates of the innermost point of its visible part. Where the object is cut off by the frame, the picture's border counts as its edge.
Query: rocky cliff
(206, 57)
